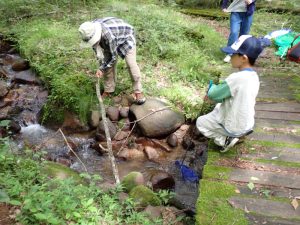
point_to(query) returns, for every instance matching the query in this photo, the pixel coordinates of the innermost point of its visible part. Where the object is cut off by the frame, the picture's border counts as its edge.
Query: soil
(4, 215)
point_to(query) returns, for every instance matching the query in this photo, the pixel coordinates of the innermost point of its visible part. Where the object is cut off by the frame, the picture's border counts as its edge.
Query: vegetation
(172, 51)
(42, 200)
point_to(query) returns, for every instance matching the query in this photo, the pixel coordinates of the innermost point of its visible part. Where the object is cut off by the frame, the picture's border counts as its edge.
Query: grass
(279, 163)
(213, 208)
(171, 48)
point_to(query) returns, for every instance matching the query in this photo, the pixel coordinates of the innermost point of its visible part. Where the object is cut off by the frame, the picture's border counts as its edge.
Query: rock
(3, 88)
(151, 153)
(187, 143)
(63, 161)
(132, 180)
(56, 170)
(158, 124)
(143, 196)
(96, 147)
(20, 65)
(130, 154)
(72, 124)
(154, 212)
(113, 113)
(124, 111)
(123, 197)
(100, 134)
(121, 135)
(107, 186)
(95, 118)
(117, 99)
(162, 180)
(3, 73)
(14, 127)
(172, 140)
(5, 112)
(26, 77)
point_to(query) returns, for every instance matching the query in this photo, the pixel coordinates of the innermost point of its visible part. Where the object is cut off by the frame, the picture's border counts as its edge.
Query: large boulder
(160, 123)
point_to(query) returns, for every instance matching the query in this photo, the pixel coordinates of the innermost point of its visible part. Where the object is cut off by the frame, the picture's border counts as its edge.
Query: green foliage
(59, 201)
(165, 196)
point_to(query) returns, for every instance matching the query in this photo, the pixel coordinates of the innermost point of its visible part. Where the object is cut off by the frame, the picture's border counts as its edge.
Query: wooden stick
(72, 149)
(107, 134)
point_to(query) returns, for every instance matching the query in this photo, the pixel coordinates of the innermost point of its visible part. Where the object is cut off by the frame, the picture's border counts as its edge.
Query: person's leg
(134, 70)
(235, 26)
(135, 73)
(246, 24)
(110, 79)
(210, 128)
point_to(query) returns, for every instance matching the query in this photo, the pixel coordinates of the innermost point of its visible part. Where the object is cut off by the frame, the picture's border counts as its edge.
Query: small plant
(165, 196)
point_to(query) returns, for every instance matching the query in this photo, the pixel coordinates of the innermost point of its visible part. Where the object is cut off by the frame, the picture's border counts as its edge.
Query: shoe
(139, 98)
(229, 143)
(227, 59)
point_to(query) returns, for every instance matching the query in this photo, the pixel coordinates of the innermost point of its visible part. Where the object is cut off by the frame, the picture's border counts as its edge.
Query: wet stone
(5, 112)
(162, 181)
(26, 77)
(151, 153)
(172, 140)
(157, 120)
(131, 154)
(100, 134)
(3, 89)
(113, 113)
(20, 65)
(124, 112)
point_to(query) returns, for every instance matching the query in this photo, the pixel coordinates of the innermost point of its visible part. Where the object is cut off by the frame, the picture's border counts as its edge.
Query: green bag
(284, 43)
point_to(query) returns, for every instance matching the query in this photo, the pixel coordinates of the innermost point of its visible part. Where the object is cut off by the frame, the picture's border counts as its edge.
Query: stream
(21, 102)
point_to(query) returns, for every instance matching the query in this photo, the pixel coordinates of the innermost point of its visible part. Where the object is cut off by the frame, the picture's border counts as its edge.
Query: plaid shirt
(117, 39)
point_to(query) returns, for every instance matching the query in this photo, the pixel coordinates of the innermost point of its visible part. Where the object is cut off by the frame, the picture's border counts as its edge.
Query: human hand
(248, 2)
(99, 74)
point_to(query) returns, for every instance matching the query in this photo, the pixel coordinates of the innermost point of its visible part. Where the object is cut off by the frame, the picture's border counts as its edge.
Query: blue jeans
(240, 24)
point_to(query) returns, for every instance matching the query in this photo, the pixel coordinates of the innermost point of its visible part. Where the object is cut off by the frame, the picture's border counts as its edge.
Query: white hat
(90, 32)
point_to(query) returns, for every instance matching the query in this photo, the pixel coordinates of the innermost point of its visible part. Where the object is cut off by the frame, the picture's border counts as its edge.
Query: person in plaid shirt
(112, 37)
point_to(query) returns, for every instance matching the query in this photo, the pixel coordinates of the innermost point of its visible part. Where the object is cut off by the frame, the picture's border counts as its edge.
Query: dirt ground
(4, 215)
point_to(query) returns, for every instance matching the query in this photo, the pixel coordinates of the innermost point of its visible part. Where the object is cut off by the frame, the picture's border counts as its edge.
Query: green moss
(131, 180)
(212, 205)
(275, 144)
(279, 163)
(59, 171)
(143, 196)
(216, 172)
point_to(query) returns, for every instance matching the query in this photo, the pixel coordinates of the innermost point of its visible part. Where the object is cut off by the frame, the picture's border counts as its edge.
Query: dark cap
(245, 45)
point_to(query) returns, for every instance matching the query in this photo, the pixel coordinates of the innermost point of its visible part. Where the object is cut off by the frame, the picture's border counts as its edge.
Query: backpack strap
(295, 40)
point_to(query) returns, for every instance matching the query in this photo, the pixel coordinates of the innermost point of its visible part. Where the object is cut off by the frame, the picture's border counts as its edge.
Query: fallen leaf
(275, 157)
(237, 191)
(251, 186)
(254, 178)
(295, 203)
(246, 210)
